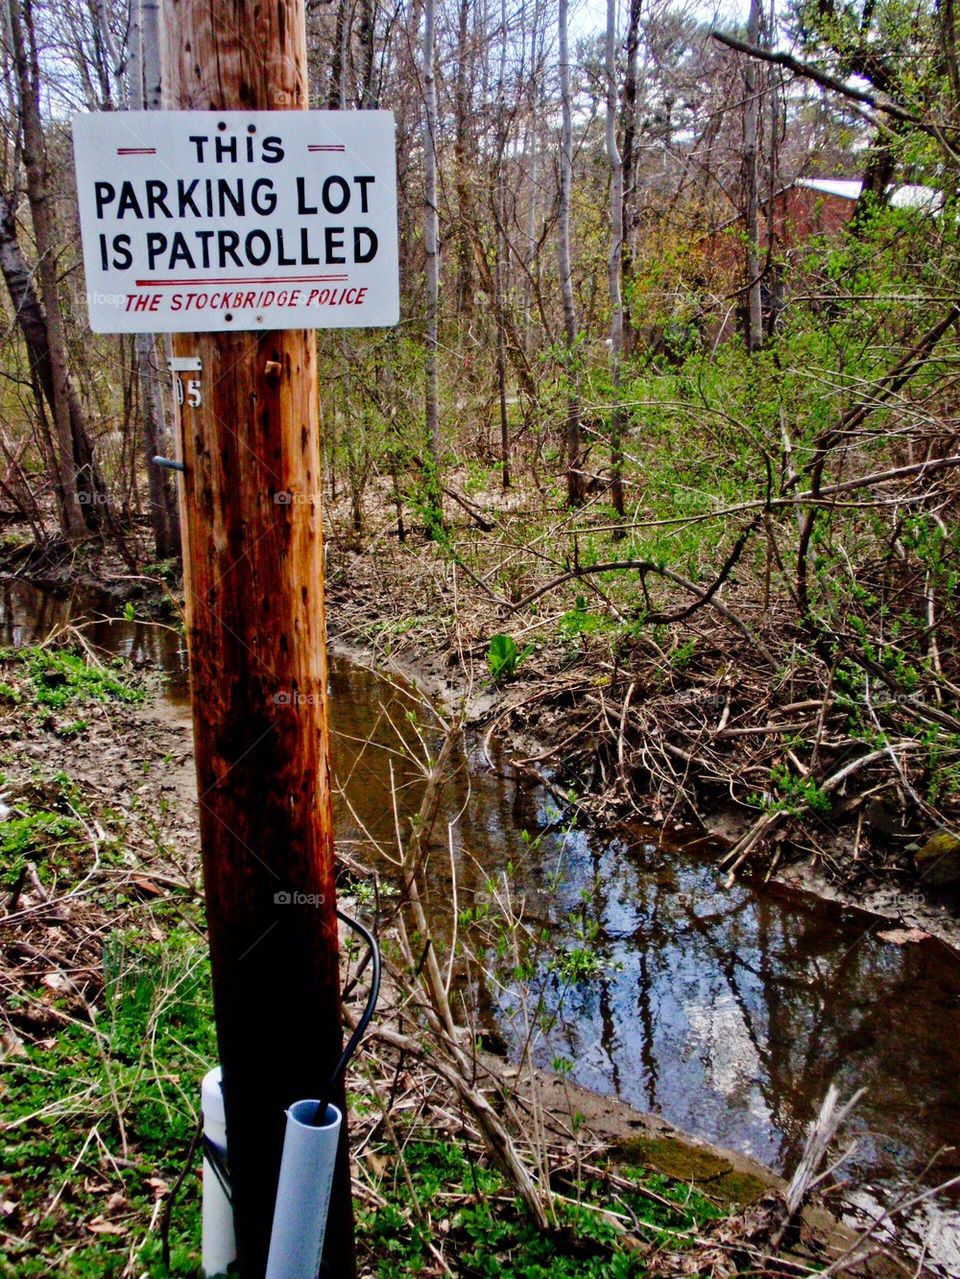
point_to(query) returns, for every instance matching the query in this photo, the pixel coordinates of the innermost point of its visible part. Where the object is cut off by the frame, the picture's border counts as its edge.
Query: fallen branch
(820, 1136)
(727, 568)
(495, 1136)
(473, 511)
(808, 496)
(768, 822)
(647, 566)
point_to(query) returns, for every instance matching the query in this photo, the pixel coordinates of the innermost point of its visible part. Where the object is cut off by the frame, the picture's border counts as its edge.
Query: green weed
(100, 1114)
(504, 657)
(57, 677)
(462, 1210)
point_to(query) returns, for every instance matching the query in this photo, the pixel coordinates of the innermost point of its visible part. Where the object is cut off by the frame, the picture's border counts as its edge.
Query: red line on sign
(317, 147)
(247, 279)
(136, 150)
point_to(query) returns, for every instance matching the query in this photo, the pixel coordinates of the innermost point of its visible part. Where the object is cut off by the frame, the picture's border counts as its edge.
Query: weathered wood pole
(253, 561)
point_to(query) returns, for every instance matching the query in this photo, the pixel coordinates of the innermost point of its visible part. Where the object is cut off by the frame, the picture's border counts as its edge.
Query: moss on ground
(683, 1162)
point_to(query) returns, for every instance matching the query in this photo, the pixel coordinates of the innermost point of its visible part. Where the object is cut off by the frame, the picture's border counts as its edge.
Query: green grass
(58, 677)
(98, 1116)
(46, 827)
(456, 1205)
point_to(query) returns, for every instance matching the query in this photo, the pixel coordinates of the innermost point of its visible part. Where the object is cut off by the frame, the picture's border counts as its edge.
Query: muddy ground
(608, 717)
(131, 783)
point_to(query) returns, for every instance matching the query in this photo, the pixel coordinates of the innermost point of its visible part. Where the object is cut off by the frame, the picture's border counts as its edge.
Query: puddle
(28, 615)
(726, 1011)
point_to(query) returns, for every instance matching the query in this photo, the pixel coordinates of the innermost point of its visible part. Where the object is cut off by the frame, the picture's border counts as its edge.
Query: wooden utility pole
(253, 563)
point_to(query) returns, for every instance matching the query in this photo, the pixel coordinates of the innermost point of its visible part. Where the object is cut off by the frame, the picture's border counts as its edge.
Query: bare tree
(615, 261)
(145, 94)
(501, 197)
(751, 119)
(431, 238)
(464, 130)
(575, 486)
(628, 175)
(73, 447)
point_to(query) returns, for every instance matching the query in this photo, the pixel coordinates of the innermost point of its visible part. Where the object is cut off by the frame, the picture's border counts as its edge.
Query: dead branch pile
(811, 714)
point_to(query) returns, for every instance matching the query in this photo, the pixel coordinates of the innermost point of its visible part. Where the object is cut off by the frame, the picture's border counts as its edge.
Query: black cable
(364, 1021)
(216, 1155)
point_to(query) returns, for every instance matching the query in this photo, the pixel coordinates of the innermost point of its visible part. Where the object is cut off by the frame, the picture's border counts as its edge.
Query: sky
(589, 17)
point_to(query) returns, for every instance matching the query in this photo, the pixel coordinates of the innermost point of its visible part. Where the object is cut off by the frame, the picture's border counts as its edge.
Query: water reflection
(29, 615)
(728, 1011)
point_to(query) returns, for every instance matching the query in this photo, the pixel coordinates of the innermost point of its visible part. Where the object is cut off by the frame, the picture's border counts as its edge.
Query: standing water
(726, 1011)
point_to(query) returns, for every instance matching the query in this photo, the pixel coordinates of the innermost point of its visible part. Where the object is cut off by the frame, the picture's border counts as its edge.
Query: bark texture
(751, 120)
(575, 486)
(254, 571)
(145, 82)
(615, 260)
(431, 241)
(77, 489)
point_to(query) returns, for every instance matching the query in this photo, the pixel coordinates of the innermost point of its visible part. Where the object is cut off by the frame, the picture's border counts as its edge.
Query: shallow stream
(726, 1011)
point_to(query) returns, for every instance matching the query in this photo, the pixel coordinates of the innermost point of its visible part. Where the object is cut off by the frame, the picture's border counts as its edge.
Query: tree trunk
(145, 94)
(367, 34)
(502, 250)
(532, 164)
(575, 486)
(464, 129)
(76, 492)
(152, 75)
(878, 172)
(628, 214)
(774, 88)
(335, 91)
(33, 329)
(615, 261)
(751, 118)
(431, 236)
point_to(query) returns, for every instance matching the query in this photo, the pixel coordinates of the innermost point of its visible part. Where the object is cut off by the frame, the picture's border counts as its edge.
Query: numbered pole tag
(188, 389)
(188, 392)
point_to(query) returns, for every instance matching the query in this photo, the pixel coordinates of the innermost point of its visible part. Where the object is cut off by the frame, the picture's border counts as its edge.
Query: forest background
(664, 449)
(629, 360)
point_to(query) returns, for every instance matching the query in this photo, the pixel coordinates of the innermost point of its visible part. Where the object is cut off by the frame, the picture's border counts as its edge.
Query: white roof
(916, 197)
(909, 196)
(832, 186)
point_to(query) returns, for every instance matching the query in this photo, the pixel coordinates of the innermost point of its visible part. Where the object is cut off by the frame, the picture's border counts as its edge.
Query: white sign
(211, 221)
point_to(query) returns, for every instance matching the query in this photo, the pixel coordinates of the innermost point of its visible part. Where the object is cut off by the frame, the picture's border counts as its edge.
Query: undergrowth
(100, 1110)
(444, 1201)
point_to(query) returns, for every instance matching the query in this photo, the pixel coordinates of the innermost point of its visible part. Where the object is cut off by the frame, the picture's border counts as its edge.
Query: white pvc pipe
(219, 1246)
(303, 1192)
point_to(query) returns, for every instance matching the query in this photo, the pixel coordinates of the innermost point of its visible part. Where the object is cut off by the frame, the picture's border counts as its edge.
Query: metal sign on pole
(220, 220)
(252, 220)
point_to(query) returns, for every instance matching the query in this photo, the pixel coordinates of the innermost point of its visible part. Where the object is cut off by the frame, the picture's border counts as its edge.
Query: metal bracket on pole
(185, 364)
(168, 463)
